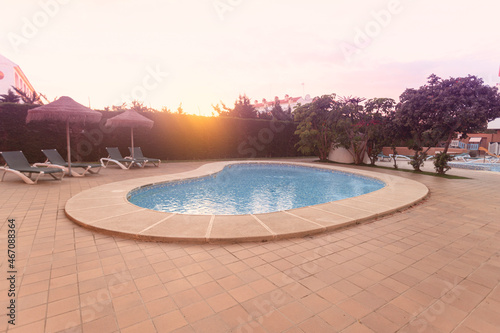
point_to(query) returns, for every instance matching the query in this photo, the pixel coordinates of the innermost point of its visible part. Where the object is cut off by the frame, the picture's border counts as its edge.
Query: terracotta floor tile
(446, 316)
(62, 306)
(275, 322)
(221, 302)
(230, 282)
(357, 327)
(315, 303)
(199, 279)
(316, 324)
(210, 324)
(153, 293)
(333, 295)
(479, 325)
(347, 287)
(196, 311)
(146, 326)
(209, 289)
(104, 324)
(31, 315)
(261, 286)
(34, 288)
(337, 318)
(296, 290)
(242, 293)
(296, 312)
(466, 300)
(186, 297)
(354, 308)
(96, 310)
(235, 316)
(33, 300)
(63, 321)
(294, 330)
(92, 285)
(160, 306)
(177, 286)
(126, 301)
(383, 292)
(38, 326)
(147, 281)
(379, 323)
(132, 316)
(394, 314)
(169, 321)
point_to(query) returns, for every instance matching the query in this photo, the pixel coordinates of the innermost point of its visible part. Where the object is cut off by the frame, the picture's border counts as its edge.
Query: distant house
(288, 102)
(11, 75)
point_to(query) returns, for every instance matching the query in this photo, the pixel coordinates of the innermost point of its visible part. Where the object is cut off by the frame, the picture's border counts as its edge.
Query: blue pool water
(476, 166)
(252, 189)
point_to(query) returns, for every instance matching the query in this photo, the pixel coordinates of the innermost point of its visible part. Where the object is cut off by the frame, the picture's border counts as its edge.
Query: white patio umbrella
(132, 119)
(64, 109)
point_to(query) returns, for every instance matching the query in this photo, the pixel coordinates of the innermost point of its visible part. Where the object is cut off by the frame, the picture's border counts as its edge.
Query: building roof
(286, 100)
(5, 61)
(494, 124)
(6, 64)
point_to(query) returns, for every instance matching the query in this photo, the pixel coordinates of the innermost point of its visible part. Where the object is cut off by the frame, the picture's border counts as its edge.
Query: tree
(379, 128)
(222, 111)
(138, 106)
(416, 116)
(464, 105)
(10, 97)
(315, 130)
(437, 111)
(121, 107)
(394, 134)
(180, 110)
(243, 108)
(278, 113)
(352, 125)
(165, 109)
(34, 98)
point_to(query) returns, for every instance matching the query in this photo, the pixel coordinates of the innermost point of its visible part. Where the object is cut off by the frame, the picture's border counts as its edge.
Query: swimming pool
(253, 189)
(495, 167)
(106, 208)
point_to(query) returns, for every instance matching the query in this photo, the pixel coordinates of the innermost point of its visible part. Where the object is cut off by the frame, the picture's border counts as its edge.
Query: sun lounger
(54, 158)
(400, 157)
(462, 157)
(383, 157)
(139, 156)
(18, 164)
(114, 156)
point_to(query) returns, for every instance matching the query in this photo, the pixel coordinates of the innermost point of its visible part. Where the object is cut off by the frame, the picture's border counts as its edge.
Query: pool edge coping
(398, 194)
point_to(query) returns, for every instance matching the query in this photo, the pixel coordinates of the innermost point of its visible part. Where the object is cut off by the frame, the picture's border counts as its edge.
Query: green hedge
(173, 137)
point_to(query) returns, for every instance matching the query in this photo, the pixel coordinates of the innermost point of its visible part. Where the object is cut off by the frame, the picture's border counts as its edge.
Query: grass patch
(426, 173)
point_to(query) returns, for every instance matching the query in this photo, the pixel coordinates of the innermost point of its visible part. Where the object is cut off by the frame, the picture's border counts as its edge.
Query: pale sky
(198, 52)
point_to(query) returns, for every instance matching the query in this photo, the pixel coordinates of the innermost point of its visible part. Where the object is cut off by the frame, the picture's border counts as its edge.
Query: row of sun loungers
(136, 158)
(57, 167)
(390, 157)
(488, 158)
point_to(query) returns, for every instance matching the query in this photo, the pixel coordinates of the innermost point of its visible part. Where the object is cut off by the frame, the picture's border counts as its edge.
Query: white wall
(342, 155)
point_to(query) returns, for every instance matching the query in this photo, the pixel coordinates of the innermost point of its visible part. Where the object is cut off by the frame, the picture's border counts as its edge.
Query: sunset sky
(199, 52)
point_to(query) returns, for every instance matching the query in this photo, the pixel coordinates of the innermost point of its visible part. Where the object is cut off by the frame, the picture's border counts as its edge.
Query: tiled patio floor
(432, 268)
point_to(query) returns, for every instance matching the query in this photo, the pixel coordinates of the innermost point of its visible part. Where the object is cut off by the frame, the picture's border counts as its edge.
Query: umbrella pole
(132, 139)
(68, 147)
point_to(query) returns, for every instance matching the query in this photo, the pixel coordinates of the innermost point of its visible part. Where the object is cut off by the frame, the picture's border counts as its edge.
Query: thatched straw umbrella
(131, 119)
(64, 109)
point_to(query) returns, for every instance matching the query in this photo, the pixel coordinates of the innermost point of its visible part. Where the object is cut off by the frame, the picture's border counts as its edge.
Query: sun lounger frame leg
(121, 165)
(25, 178)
